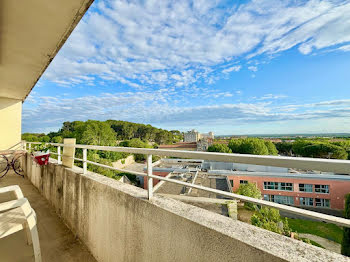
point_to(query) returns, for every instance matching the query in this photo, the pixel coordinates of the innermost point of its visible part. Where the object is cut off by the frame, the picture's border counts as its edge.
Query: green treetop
(222, 148)
(253, 146)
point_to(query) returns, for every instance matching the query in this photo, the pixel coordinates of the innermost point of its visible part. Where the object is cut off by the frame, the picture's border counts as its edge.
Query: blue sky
(232, 67)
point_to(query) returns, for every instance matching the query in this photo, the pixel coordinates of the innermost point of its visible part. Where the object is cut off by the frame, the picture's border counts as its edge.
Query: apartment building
(304, 190)
(195, 136)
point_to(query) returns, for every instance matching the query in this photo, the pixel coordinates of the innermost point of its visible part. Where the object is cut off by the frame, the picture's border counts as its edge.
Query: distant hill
(330, 135)
(116, 130)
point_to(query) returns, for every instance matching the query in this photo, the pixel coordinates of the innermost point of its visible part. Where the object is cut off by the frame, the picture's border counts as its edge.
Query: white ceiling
(31, 34)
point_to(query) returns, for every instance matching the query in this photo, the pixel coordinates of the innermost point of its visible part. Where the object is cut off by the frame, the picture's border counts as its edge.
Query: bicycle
(11, 160)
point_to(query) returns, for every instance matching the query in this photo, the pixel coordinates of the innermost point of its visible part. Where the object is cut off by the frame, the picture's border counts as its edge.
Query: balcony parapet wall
(117, 223)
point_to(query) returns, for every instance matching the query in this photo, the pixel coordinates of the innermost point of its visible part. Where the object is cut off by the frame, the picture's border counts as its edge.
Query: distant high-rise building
(195, 136)
(191, 136)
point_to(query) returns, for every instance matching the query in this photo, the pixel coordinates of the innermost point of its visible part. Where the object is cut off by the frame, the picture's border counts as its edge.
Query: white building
(207, 135)
(191, 136)
(195, 136)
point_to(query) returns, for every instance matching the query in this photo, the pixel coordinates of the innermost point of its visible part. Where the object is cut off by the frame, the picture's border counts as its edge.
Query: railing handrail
(218, 157)
(319, 164)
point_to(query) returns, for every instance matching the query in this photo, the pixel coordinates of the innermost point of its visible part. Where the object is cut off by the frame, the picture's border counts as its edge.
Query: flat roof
(323, 176)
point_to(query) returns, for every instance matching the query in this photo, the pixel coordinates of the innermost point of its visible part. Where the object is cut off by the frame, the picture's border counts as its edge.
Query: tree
(345, 144)
(222, 148)
(285, 148)
(162, 137)
(98, 133)
(135, 142)
(299, 146)
(45, 139)
(271, 148)
(319, 149)
(138, 143)
(127, 130)
(270, 219)
(325, 150)
(30, 137)
(345, 246)
(249, 190)
(57, 139)
(253, 146)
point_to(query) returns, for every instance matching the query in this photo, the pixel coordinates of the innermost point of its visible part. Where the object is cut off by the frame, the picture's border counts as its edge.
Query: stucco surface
(10, 122)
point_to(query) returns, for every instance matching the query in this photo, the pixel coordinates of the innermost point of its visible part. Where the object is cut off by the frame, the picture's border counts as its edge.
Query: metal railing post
(29, 146)
(59, 160)
(149, 179)
(84, 161)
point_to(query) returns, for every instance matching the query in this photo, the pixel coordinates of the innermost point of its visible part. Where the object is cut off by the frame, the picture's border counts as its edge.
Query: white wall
(10, 122)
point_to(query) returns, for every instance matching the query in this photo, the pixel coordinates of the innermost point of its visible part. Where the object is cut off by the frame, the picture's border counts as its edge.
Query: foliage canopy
(222, 148)
(254, 146)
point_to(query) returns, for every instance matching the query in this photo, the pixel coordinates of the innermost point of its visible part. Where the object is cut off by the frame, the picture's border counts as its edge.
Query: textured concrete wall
(10, 122)
(118, 223)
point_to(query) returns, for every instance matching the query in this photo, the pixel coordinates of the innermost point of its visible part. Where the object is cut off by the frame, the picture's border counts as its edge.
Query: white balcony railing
(326, 165)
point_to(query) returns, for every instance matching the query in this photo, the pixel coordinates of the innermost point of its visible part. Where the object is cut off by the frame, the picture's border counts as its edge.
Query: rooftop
(284, 175)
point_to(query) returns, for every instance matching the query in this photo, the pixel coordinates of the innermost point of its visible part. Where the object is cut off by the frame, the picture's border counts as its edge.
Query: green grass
(311, 242)
(316, 244)
(325, 230)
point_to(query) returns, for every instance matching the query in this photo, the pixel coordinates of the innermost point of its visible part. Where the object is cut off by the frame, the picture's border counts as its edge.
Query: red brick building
(190, 146)
(304, 190)
(155, 181)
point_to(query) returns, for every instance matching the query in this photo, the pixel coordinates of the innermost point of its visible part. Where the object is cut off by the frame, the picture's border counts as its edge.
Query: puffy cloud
(148, 43)
(232, 69)
(167, 50)
(253, 68)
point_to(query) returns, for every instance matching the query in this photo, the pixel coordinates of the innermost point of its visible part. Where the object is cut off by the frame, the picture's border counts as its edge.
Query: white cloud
(253, 68)
(178, 43)
(165, 50)
(345, 48)
(158, 109)
(232, 69)
(270, 97)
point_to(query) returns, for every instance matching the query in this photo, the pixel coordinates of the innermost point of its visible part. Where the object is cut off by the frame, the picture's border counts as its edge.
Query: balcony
(57, 242)
(120, 222)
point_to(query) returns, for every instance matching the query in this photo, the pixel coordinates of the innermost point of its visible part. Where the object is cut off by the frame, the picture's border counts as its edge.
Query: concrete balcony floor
(56, 240)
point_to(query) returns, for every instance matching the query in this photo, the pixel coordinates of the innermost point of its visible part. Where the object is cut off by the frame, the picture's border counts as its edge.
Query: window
(243, 181)
(324, 189)
(305, 188)
(321, 202)
(278, 186)
(231, 182)
(306, 201)
(287, 200)
(271, 185)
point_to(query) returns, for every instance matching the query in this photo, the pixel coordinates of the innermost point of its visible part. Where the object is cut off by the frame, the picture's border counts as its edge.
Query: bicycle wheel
(4, 166)
(16, 165)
